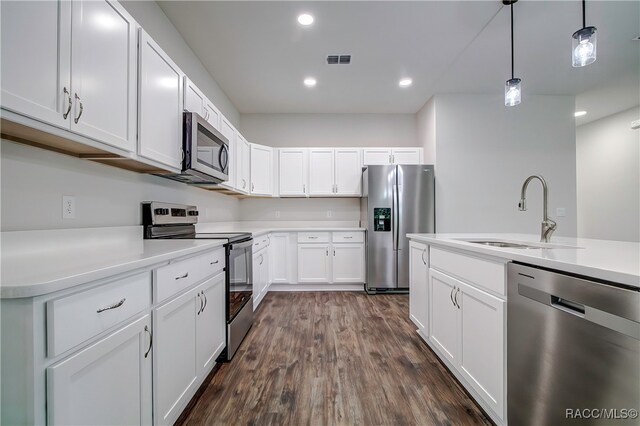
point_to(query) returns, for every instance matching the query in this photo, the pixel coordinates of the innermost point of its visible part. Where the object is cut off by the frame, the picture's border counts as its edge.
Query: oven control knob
(193, 213)
(161, 212)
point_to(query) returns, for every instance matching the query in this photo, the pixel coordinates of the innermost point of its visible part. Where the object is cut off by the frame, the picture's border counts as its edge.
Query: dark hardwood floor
(339, 358)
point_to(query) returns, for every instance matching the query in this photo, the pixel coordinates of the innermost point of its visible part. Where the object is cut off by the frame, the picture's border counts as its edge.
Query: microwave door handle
(226, 157)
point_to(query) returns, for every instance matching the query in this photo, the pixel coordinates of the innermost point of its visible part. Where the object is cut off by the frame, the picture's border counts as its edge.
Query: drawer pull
(312, 238)
(347, 238)
(146, 354)
(214, 262)
(186, 274)
(114, 306)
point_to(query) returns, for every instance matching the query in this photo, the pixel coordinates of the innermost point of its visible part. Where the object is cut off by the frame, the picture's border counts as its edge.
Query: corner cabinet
(462, 317)
(109, 382)
(160, 105)
(51, 72)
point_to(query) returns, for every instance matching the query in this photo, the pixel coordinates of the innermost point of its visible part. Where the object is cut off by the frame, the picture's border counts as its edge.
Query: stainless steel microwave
(205, 152)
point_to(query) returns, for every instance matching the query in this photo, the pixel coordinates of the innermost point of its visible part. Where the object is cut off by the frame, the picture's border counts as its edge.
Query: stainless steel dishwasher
(573, 350)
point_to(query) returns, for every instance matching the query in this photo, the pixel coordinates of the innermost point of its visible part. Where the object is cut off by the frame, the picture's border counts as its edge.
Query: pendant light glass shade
(512, 92)
(584, 47)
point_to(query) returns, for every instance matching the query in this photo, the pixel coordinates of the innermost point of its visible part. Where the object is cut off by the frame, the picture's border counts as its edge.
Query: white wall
(33, 181)
(608, 170)
(300, 209)
(353, 130)
(426, 130)
(151, 17)
(484, 153)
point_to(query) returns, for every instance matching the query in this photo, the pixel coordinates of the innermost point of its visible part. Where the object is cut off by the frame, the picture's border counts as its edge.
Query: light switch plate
(561, 212)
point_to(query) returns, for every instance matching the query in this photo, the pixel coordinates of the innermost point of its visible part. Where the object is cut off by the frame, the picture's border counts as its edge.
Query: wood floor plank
(333, 358)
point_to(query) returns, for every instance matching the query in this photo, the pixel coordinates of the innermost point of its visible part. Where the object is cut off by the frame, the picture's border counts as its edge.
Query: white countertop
(261, 228)
(41, 262)
(615, 261)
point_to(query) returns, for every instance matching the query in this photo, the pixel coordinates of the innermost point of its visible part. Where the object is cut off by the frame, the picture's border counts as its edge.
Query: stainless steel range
(177, 221)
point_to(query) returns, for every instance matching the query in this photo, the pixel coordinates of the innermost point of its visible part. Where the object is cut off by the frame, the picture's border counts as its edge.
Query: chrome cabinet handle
(252, 186)
(334, 252)
(201, 304)
(456, 297)
(422, 255)
(81, 109)
(205, 301)
(146, 328)
(261, 259)
(451, 296)
(312, 238)
(244, 183)
(348, 238)
(186, 274)
(214, 262)
(269, 238)
(327, 252)
(390, 159)
(66, 92)
(114, 306)
(304, 188)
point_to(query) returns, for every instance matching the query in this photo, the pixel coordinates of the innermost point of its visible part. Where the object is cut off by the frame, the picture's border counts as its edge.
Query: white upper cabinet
(213, 115)
(372, 156)
(261, 170)
(227, 129)
(321, 172)
(160, 105)
(36, 59)
(293, 171)
(194, 99)
(243, 164)
(406, 155)
(348, 172)
(47, 46)
(103, 73)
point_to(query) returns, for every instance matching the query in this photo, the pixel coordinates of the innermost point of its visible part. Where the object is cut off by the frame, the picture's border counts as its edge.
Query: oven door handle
(243, 244)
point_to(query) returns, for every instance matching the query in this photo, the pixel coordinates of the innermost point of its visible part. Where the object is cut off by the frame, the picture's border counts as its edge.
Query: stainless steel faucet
(548, 225)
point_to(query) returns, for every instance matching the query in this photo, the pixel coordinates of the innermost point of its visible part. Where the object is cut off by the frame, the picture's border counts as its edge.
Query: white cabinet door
(314, 263)
(210, 323)
(194, 99)
(36, 59)
(279, 257)
(443, 315)
(212, 114)
(348, 172)
(293, 172)
(418, 285)
(261, 170)
(481, 354)
(107, 383)
(243, 161)
(160, 105)
(372, 156)
(265, 272)
(175, 370)
(104, 73)
(227, 129)
(257, 280)
(348, 263)
(406, 155)
(321, 172)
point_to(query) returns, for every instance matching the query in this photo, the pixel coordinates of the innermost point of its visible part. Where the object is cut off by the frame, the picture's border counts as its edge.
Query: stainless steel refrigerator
(396, 201)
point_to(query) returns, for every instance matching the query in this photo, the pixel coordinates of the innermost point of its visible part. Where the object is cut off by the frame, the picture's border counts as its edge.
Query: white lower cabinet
(279, 258)
(189, 331)
(348, 263)
(418, 285)
(260, 275)
(107, 383)
(314, 263)
(466, 326)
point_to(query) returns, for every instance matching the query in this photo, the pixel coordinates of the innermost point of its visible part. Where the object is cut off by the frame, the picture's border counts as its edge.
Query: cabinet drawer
(260, 242)
(76, 318)
(175, 277)
(484, 273)
(313, 237)
(212, 263)
(348, 237)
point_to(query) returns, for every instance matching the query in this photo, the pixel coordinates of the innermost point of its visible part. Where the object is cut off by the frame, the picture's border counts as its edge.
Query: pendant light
(584, 43)
(512, 88)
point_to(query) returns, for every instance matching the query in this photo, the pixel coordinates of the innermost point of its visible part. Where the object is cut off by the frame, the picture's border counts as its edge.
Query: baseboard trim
(315, 287)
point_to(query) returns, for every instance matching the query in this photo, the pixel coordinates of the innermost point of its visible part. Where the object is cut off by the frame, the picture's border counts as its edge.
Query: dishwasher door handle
(567, 306)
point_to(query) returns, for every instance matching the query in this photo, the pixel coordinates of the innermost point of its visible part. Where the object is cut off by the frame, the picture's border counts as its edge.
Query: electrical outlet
(329, 213)
(68, 207)
(561, 212)
(277, 214)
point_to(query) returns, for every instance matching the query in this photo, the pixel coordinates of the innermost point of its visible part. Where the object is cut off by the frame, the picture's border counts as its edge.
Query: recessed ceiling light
(305, 19)
(310, 81)
(579, 113)
(405, 82)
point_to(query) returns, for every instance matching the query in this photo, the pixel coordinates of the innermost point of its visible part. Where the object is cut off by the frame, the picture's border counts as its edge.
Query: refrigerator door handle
(394, 217)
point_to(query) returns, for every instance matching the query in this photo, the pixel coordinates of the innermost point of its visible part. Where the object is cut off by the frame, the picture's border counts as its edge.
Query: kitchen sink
(516, 244)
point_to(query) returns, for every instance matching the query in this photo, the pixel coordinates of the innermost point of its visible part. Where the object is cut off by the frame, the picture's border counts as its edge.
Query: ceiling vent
(339, 59)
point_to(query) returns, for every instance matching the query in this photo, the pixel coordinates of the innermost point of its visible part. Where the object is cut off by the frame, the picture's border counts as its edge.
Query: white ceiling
(259, 55)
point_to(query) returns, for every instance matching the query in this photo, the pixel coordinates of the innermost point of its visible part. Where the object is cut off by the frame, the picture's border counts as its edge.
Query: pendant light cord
(584, 14)
(512, 73)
